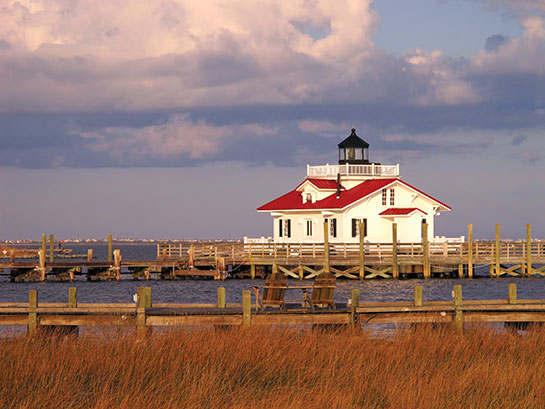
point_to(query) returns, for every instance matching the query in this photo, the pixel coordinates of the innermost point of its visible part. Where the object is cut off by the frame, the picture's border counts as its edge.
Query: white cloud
(524, 54)
(178, 136)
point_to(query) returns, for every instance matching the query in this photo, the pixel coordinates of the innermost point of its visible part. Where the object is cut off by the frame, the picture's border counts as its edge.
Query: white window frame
(384, 197)
(392, 197)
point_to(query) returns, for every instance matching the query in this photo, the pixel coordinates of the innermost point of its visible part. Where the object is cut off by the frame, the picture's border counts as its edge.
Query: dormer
(313, 190)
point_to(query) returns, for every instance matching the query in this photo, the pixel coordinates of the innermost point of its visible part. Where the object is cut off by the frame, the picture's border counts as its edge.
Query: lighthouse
(352, 191)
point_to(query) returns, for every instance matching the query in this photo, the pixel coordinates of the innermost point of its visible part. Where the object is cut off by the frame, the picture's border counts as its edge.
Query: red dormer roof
(401, 211)
(293, 199)
(321, 184)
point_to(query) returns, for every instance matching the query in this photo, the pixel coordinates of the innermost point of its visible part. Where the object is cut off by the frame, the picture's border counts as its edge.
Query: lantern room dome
(353, 150)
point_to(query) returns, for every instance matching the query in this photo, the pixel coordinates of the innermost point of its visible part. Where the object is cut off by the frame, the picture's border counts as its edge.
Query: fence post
(395, 268)
(246, 308)
(470, 250)
(42, 268)
(362, 250)
(497, 252)
(143, 301)
(326, 248)
(528, 250)
(51, 248)
(221, 297)
(73, 297)
(109, 248)
(426, 251)
(418, 296)
(458, 315)
(32, 315)
(512, 297)
(117, 264)
(354, 304)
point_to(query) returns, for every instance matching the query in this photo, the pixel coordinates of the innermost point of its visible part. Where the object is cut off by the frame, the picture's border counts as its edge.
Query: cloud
(494, 42)
(178, 136)
(326, 128)
(519, 140)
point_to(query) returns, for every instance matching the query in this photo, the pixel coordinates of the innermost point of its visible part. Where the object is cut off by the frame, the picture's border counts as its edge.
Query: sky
(178, 118)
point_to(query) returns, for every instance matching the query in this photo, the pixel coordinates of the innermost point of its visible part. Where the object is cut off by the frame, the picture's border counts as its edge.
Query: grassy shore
(274, 368)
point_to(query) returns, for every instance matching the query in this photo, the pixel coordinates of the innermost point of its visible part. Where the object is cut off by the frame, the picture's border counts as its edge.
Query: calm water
(205, 290)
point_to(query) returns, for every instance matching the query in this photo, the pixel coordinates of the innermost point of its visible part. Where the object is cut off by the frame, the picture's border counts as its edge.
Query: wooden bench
(274, 291)
(322, 292)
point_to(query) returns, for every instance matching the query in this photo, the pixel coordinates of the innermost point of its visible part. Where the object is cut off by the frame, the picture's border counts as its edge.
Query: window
(287, 228)
(384, 197)
(359, 153)
(392, 197)
(309, 197)
(356, 227)
(280, 228)
(351, 154)
(333, 227)
(309, 227)
(342, 155)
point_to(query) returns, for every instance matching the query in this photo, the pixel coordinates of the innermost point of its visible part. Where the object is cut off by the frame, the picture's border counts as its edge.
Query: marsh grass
(276, 368)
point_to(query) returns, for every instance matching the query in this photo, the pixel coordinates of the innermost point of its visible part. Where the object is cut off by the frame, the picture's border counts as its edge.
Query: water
(205, 291)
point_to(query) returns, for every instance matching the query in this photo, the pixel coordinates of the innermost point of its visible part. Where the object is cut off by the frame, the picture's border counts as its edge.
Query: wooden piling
(246, 308)
(418, 296)
(12, 256)
(117, 264)
(51, 248)
(191, 256)
(529, 250)
(89, 255)
(326, 248)
(44, 243)
(142, 303)
(221, 297)
(42, 268)
(32, 315)
(470, 250)
(73, 297)
(395, 267)
(354, 303)
(512, 296)
(362, 250)
(252, 266)
(109, 248)
(458, 314)
(460, 271)
(497, 252)
(426, 251)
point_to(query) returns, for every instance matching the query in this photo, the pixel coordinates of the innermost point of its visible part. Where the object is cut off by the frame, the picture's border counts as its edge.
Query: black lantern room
(353, 150)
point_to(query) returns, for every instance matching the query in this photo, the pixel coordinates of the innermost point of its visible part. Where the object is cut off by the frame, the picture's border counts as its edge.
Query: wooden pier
(143, 314)
(300, 260)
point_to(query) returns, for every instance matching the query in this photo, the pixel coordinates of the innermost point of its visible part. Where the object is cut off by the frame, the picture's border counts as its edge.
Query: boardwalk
(144, 314)
(300, 261)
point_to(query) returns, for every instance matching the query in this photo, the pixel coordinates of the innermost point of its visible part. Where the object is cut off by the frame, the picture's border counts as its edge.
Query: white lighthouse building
(354, 190)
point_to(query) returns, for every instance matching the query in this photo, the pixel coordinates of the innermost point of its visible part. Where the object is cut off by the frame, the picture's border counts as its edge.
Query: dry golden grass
(274, 368)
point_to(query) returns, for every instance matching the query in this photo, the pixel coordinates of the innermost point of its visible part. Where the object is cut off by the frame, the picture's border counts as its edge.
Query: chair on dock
(274, 291)
(322, 292)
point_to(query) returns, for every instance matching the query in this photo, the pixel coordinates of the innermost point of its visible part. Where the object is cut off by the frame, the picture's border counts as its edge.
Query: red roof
(294, 201)
(400, 211)
(323, 184)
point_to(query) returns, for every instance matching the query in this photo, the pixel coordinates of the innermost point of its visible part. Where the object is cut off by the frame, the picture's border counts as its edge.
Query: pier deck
(143, 314)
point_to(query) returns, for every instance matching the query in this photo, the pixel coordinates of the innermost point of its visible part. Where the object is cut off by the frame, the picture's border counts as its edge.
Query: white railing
(353, 170)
